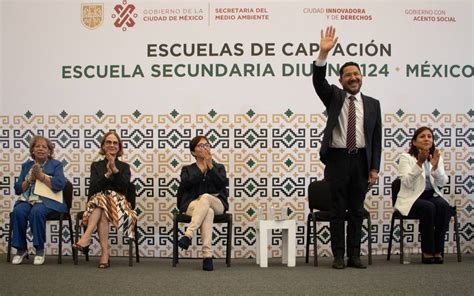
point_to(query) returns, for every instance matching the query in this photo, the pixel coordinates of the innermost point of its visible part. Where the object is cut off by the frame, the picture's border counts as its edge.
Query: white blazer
(413, 182)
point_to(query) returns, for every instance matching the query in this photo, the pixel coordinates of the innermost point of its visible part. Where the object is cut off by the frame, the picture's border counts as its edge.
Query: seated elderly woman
(421, 175)
(107, 202)
(203, 186)
(34, 208)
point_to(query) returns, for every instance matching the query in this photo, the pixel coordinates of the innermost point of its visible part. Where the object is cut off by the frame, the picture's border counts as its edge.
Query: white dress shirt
(339, 133)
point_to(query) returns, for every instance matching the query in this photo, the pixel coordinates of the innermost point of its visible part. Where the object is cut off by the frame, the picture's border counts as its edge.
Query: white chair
(288, 228)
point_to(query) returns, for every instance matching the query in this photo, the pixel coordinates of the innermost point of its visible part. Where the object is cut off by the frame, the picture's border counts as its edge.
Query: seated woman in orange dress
(107, 202)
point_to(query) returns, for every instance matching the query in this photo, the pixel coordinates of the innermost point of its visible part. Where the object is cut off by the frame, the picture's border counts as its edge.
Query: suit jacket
(413, 181)
(117, 182)
(333, 98)
(194, 183)
(54, 169)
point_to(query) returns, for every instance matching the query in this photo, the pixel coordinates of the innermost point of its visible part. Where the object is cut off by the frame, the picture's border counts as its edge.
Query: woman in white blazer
(421, 175)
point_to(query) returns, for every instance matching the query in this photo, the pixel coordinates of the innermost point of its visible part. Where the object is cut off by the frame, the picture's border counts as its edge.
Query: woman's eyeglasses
(203, 146)
(108, 142)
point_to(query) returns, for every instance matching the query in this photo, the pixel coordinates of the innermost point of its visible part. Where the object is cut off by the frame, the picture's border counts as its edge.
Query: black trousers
(347, 175)
(434, 214)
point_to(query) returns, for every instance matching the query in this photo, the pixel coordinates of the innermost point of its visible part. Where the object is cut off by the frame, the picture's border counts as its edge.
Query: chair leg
(402, 238)
(71, 231)
(60, 248)
(130, 252)
(308, 238)
(315, 241)
(9, 248)
(87, 253)
(369, 238)
(78, 230)
(137, 253)
(175, 241)
(229, 242)
(456, 233)
(390, 238)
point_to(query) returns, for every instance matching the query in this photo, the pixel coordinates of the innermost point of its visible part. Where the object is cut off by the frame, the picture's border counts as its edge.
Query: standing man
(351, 149)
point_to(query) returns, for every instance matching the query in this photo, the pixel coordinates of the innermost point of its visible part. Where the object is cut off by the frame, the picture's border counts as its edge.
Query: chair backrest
(67, 195)
(395, 189)
(131, 194)
(179, 195)
(319, 195)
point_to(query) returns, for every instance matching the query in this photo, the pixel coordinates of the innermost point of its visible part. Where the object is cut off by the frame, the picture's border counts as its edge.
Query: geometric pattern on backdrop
(270, 160)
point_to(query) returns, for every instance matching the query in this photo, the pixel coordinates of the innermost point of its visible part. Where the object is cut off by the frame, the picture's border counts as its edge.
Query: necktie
(351, 125)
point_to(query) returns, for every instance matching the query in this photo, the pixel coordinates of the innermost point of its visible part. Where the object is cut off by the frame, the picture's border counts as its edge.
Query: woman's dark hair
(413, 150)
(102, 143)
(195, 141)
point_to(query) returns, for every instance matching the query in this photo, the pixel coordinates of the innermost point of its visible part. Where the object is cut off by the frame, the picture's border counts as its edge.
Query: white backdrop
(40, 37)
(265, 127)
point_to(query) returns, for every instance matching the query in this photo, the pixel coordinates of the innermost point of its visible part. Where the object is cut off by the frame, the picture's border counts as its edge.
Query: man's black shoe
(338, 263)
(355, 262)
(184, 242)
(438, 260)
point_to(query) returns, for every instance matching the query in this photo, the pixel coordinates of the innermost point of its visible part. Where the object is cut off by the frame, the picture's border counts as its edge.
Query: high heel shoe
(104, 265)
(427, 260)
(84, 249)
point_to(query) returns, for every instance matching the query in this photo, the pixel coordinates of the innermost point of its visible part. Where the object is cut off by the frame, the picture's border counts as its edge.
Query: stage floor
(155, 276)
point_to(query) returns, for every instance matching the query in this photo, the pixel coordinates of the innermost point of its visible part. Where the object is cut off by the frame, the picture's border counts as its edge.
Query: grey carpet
(154, 276)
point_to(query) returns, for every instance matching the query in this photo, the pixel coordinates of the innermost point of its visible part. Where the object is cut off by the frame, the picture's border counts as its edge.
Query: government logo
(92, 15)
(124, 15)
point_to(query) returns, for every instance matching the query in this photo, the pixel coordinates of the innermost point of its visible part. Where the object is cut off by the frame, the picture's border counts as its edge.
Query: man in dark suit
(351, 149)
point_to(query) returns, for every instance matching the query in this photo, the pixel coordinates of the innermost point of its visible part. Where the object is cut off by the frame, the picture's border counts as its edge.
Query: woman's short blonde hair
(37, 138)
(102, 143)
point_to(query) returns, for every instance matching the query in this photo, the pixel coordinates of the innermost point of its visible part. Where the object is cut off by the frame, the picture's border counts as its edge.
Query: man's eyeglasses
(203, 146)
(115, 143)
